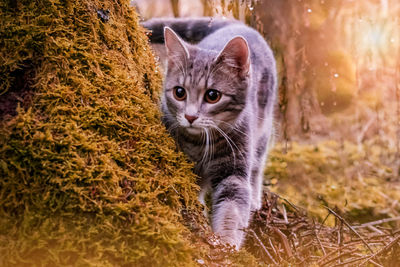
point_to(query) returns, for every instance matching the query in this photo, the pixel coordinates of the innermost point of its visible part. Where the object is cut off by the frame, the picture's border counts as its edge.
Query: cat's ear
(175, 46)
(236, 54)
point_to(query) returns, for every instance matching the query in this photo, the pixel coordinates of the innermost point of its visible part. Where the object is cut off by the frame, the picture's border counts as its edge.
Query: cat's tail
(192, 30)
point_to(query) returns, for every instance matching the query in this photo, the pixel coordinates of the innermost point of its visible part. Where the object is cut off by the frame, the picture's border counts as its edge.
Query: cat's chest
(203, 155)
(194, 151)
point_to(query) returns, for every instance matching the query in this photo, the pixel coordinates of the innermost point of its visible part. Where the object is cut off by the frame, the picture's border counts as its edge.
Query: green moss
(356, 179)
(88, 175)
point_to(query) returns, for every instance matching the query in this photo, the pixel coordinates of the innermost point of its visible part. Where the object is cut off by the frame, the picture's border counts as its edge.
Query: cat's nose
(190, 119)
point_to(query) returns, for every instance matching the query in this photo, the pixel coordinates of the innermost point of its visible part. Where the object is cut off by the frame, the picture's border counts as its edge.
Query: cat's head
(205, 89)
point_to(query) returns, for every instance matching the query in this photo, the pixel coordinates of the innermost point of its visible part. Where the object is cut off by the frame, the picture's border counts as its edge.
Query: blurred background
(338, 116)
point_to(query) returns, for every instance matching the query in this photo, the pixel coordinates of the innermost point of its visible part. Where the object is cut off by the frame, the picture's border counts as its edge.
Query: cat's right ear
(175, 46)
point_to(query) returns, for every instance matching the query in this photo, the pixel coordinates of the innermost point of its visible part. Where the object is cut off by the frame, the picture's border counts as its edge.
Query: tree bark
(175, 7)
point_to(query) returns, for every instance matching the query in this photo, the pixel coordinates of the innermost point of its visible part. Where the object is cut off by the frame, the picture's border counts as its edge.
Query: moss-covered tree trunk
(88, 175)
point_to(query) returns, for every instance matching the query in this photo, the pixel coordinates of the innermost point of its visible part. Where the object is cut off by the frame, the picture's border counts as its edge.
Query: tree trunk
(175, 7)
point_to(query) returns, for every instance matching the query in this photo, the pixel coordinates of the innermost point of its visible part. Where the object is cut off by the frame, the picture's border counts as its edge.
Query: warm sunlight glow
(375, 33)
(377, 37)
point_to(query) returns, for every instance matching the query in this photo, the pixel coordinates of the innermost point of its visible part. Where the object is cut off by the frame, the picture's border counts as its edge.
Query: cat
(218, 103)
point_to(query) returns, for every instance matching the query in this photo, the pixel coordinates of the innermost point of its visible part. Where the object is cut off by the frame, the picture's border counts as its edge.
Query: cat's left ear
(236, 54)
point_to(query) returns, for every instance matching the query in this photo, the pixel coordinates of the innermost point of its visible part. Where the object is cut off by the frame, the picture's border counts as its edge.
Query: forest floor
(331, 198)
(334, 197)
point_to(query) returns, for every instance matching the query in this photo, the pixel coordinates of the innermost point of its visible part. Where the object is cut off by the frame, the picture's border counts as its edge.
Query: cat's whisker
(172, 127)
(209, 151)
(207, 142)
(232, 142)
(206, 124)
(210, 157)
(212, 145)
(202, 137)
(228, 142)
(232, 127)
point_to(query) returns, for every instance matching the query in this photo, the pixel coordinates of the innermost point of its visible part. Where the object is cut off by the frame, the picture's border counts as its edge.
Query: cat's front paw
(256, 204)
(232, 238)
(229, 222)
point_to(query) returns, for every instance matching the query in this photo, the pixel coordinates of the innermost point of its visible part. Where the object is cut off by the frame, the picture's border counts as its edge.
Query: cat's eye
(212, 96)
(179, 93)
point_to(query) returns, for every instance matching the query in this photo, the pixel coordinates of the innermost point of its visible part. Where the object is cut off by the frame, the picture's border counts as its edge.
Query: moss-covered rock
(88, 175)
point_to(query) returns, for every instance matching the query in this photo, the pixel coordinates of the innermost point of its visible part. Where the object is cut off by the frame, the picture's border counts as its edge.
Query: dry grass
(282, 234)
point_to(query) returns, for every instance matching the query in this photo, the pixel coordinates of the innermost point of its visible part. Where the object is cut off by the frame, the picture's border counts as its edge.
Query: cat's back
(261, 53)
(213, 34)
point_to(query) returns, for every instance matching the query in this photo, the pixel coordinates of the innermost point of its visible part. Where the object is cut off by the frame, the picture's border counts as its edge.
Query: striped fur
(229, 139)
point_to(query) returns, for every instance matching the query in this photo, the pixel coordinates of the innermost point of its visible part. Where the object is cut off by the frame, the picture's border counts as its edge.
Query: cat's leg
(203, 194)
(231, 209)
(257, 188)
(257, 173)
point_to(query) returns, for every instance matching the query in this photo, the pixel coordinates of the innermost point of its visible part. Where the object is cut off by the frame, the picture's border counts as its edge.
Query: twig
(262, 245)
(349, 261)
(375, 263)
(378, 222)
(274, 250)
(284, 240)
(338, 257)
(345, 263)
(285, 214)
(382, 250)
(350, 227)
(270, 207)
(323, 222)
(340, 241)
(319, 241)
(279, 221)
(299, 226)
(323, 259)
(290, 203)
(376, 230)
(371, 238)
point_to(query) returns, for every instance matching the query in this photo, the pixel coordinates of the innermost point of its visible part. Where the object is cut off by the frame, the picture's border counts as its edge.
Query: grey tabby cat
(218, 104)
